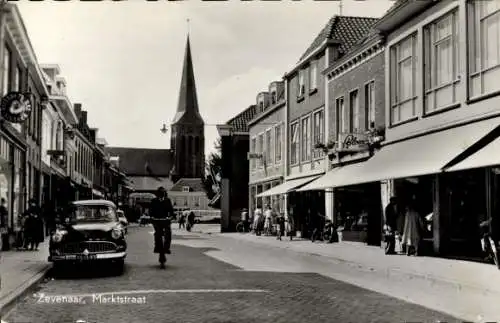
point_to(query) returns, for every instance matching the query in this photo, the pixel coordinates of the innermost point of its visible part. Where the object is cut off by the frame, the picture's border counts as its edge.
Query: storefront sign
(16, 107)
(354, 142)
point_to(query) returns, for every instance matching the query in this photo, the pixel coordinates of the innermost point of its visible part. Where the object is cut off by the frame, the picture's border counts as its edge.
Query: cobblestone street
(198, 288)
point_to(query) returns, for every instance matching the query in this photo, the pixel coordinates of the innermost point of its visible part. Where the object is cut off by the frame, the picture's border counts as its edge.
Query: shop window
(441, 45)
(403, 70)
(484, 47)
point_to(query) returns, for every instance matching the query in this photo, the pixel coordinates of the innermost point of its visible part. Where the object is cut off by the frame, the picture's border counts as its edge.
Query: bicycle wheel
(240, 227)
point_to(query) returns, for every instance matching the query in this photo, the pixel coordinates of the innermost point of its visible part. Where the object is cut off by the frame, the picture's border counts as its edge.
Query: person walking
(391, 218)
(4, 234)
(257, 220)
(412, 233)
(182, 220)
(33, 226)
(268, 220)
(281, 225)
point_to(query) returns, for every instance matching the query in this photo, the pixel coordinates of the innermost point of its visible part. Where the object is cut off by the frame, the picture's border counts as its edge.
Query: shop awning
(410, 158)
(487, 156)
(287, 186)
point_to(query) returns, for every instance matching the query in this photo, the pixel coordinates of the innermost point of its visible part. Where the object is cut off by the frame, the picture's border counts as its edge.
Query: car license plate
(86, 257)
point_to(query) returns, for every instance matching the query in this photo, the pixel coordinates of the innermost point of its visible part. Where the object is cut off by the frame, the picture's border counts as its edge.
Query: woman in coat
(413, 227)
(33, 226)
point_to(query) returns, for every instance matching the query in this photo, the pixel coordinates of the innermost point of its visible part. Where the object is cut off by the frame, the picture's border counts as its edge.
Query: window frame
(318, 153)
(431, 73)
(269, 147)
(278, 154)
(339, 117)
(253, 149)
(313, 79)
(301, 81)
(477, 72)
(261, 147)
(294, 153)
(305, 152)
(354, 114)
(7, 66)
(370, 110)
(185, 189)
(395, 62)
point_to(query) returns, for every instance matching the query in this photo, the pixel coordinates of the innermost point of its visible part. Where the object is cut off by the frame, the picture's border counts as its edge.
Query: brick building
(235, 143)
(356, 92)
(267, 162)
(308, 103)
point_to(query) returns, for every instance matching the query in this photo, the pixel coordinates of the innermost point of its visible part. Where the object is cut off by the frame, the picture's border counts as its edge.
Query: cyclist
(161, 208)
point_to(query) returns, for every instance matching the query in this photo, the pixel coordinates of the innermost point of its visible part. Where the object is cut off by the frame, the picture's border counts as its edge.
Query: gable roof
(195, 185)
(241, 120)
(143, 161)
(347, 30)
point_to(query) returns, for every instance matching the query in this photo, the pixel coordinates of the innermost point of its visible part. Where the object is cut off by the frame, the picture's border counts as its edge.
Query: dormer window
(49, 89)
(302, 84)
(261, 105)
(274, 97)
(185, 189)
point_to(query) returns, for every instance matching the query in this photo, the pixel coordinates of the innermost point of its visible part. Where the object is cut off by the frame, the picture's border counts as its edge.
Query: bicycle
(161, 248)
(242, 227)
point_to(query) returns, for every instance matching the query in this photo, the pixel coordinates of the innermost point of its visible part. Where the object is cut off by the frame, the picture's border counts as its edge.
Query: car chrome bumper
(99, 256)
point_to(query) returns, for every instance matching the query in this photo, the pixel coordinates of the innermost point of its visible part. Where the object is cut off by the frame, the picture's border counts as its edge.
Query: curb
(22, 290)
(388, 272)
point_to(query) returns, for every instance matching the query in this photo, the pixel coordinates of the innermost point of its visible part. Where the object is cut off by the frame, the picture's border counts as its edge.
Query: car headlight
(116, 233)
(58, 235)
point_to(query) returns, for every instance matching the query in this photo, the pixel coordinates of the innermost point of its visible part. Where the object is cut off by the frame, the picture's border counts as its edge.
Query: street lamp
(164, 129)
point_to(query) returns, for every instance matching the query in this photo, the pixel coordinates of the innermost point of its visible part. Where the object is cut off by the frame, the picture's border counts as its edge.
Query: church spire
(187, 107)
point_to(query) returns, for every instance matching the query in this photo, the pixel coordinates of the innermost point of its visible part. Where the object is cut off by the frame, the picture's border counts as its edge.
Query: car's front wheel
(119, 266)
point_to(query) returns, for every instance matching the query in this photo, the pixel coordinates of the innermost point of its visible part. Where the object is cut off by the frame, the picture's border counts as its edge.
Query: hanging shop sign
(354, 142)
(16, 107)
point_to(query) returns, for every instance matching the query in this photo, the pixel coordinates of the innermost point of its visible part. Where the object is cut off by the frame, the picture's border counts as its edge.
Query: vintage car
(89, 231)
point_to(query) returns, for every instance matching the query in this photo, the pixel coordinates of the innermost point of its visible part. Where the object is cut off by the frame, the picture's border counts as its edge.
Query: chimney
(83, 119)
(78, 109)
(92, 135)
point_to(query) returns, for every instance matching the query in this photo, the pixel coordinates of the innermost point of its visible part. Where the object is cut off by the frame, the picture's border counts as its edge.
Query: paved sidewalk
(483, 278)
(20, 270)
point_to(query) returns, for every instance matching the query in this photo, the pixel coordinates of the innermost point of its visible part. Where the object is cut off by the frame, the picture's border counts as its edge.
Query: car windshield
(93, 213)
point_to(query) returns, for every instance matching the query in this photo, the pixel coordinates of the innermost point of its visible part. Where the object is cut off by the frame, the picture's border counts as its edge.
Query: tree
(213, 168)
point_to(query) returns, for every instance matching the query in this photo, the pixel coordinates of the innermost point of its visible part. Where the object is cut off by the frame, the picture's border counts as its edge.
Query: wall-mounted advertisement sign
(353, 142)
(16, 107)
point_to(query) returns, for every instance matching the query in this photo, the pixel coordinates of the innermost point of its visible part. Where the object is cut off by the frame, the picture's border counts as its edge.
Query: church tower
(188, 128)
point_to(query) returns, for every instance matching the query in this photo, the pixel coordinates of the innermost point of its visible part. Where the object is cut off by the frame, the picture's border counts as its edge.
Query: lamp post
(225, 132)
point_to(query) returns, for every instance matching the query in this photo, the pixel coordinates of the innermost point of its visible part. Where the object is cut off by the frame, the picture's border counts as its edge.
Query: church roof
(187, 106)
(194, 184)
(143, 161)
(343, 29)
(240, 121)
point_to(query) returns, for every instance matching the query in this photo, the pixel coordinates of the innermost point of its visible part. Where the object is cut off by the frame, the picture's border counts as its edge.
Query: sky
(122, 60)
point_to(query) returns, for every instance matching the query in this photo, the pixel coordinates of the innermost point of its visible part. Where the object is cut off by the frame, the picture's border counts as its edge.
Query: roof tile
(240, 121)
(345, 29)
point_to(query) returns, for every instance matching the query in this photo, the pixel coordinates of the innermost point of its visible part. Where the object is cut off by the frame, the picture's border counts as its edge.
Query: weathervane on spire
(340, 8)
(187, 20)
